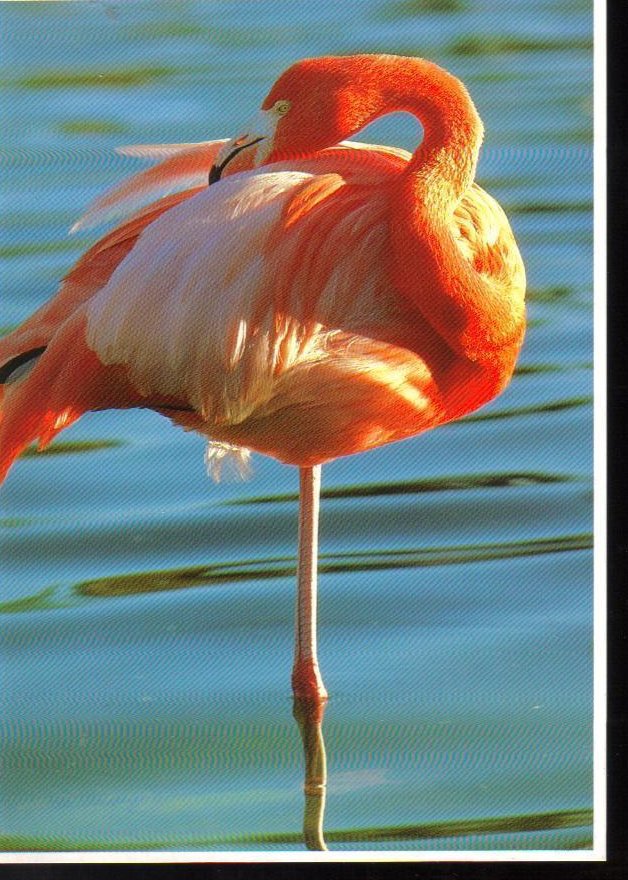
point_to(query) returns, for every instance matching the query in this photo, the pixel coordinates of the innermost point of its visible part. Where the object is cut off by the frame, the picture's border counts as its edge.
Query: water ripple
(532, 822)
(412, 487)
(330, 563)
(72, 447)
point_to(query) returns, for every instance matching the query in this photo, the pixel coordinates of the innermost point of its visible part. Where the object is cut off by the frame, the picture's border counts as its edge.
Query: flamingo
(288, 291)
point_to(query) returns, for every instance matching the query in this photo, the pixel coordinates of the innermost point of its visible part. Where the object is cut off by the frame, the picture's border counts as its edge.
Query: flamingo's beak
(260, 129)
(235, 146)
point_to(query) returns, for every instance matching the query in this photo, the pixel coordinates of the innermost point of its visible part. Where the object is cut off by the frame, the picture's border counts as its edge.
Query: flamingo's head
(314, 104)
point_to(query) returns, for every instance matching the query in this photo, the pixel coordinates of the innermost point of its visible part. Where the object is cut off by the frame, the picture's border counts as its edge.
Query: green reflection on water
(496, 44)
(336, 563)
(137, 76)
(549, 294)
(535, 369)
(90, 126)
(157, 30)
(409, 8)
(554, 820)
(15, 522)
(552, 406)
(41, 601)
(412, 487)
(25, 249)
(71, 447)
(582, 207)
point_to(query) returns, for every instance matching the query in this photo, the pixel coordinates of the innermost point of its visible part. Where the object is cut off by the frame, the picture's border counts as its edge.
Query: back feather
(45, 365)
(187, 166)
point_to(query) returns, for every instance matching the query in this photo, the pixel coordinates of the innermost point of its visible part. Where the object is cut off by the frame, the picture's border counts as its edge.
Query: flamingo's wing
(230, 289)
(181, 174)
(186, 166)
(357, 161)
(87, 276)
(205, 275)
(484, 236)
(23, 349)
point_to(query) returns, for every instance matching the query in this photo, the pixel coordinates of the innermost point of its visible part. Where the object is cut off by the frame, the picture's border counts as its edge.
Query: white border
(598, 853)
(245, 858)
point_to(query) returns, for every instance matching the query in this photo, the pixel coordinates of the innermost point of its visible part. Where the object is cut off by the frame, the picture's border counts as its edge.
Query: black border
(616, 864)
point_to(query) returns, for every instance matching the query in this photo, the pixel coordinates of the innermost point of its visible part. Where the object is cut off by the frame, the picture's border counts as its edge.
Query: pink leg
(307, 683)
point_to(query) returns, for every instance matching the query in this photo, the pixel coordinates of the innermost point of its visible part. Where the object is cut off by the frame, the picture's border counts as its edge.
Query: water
(147, 613)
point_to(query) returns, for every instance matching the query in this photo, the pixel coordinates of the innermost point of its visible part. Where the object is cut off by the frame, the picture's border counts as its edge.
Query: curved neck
(447, 156)
(476, 315)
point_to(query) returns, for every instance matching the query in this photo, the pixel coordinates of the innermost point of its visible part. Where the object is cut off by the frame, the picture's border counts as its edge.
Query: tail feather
(89, 274)
(48, 375)
(67, 380)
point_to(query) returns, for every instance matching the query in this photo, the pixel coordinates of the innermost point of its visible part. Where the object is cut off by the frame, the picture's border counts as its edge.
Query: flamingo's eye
(281, 107)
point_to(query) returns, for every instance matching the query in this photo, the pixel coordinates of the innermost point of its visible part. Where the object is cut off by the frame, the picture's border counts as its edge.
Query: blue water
(456, 586)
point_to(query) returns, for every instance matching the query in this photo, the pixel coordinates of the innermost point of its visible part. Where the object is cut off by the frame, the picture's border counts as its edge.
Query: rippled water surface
(147, 612)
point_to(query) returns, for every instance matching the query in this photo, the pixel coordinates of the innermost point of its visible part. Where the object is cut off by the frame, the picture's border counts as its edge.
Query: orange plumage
(339, 297)
(319, 298)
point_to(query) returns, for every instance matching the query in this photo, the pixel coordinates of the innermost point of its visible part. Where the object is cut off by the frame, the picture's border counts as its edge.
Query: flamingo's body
(322, 299)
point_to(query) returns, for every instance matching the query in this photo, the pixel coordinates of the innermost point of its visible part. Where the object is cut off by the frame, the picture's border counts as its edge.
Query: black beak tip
(216, 170)
(214, 174)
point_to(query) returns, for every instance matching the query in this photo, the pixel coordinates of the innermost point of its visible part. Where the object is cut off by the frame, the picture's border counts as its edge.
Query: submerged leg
(309, 716)
(307, 683)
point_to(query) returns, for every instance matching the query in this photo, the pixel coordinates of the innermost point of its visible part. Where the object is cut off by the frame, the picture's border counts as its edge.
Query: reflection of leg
(309, 717)
(306, 678)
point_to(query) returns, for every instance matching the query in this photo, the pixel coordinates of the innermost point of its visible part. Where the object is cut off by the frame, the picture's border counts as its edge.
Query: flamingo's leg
(307, 683)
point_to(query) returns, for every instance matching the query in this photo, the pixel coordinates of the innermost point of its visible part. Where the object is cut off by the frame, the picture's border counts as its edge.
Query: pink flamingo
(318, 299)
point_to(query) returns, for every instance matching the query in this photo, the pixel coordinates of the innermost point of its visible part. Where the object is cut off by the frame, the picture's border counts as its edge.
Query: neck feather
(479, 318)
(452, 130)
